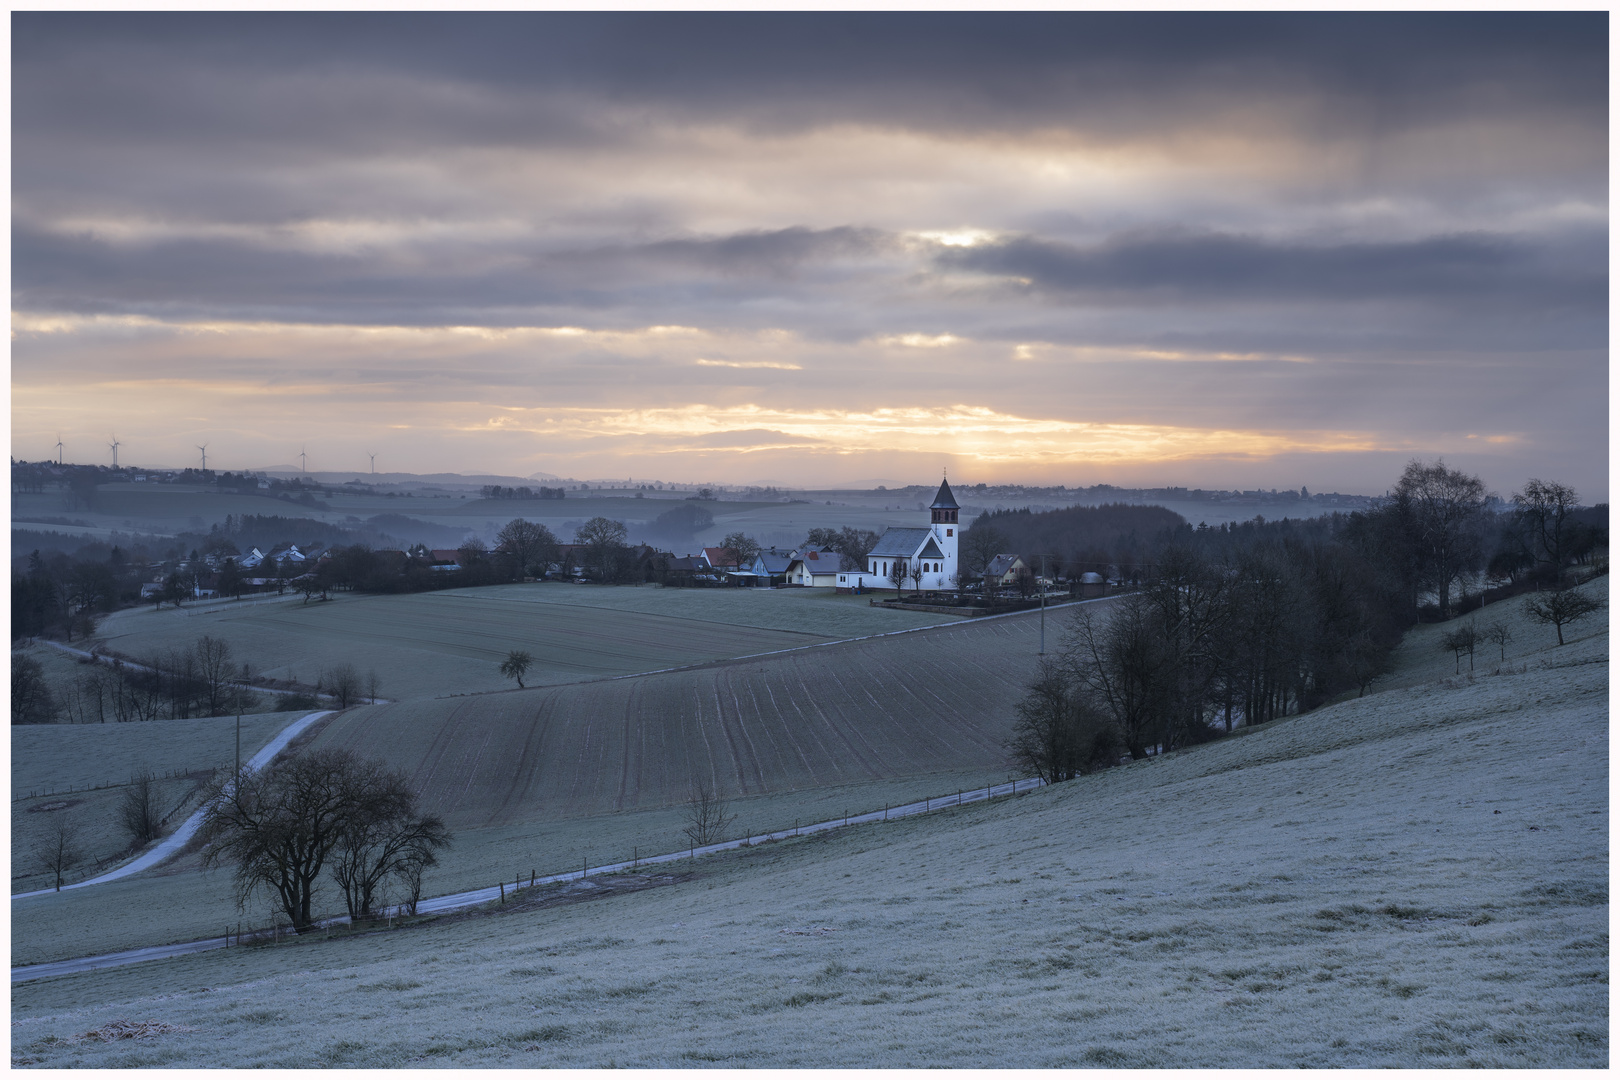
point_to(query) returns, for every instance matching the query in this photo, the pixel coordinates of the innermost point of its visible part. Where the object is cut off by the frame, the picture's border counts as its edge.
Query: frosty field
(56, 770)
(441, 643)
(1415, 878)
(537, 779)
(926, 702)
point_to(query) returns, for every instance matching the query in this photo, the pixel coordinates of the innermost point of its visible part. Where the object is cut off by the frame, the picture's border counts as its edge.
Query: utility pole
(238, 744)
(1043, 603)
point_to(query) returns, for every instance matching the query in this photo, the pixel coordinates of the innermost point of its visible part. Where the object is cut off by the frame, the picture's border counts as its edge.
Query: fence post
(502, 886)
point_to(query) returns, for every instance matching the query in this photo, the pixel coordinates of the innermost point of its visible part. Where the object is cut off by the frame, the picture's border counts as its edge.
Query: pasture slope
(79, 772)
(932, 701)
(540, 779)
(1414, 878)
(440, 643)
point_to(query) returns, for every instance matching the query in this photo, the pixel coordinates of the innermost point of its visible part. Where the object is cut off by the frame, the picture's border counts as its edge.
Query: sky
(1211, 250)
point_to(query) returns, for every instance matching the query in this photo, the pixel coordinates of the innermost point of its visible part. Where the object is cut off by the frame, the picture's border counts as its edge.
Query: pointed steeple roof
(944, 500)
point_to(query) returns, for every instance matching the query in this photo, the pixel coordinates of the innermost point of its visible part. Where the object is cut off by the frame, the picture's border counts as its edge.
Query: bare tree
(277, 826)
(410, 876)
(603, 540)
(743, 548)
(1444, 512)
(31, 701)
(1124, 664)
(58, 851)
(382, 836)
(916, 577)
(516, 665)
(373, 684)
(342, 683)
(1499, 634)
(1459, 642)
(706, 816)
(215, 671)
(138, 811)
(1560, 608)
(529, 544)
(897, 576)
(1543, 508)
(1058, 735)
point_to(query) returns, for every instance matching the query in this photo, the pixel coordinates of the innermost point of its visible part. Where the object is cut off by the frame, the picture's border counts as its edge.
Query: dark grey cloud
(1178, 266)
(109, 72)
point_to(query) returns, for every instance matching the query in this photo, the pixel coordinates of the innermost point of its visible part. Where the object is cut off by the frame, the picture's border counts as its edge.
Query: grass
(1413, 879)
(434, 644)
(58, 756)
(78, 771)
(1420, 657)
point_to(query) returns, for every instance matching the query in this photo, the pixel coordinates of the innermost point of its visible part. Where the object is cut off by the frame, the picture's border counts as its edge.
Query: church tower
(947, 531)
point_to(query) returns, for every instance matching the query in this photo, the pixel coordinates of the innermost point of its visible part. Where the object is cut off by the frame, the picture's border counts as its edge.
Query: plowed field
(927, 702)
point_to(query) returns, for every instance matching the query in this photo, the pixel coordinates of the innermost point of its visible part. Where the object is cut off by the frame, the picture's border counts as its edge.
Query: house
(926, 555)
(1092, 584)
(720, 558)
(769, 568)
(444, 559)
(291, 556)
(1004, 570)
(815, 568)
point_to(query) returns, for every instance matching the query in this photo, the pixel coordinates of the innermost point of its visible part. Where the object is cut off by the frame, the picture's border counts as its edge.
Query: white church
(933, 549)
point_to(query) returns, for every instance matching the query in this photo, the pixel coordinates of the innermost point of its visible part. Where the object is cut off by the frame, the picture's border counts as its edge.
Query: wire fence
(386, 917)
(17, 795)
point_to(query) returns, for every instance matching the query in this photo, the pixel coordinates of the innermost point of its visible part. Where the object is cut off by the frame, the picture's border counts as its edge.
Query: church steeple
(945, 508)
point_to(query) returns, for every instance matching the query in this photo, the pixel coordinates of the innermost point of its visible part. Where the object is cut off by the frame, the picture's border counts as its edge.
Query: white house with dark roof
(933, 549)
(812, 567)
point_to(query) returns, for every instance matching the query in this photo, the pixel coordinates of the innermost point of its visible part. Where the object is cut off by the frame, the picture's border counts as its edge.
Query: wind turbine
(302, 467)
(59, 449)
(373, 464)
(115, 444)
(204, 449)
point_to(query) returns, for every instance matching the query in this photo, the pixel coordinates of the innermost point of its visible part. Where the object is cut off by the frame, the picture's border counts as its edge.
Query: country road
(475, 897)
(188, 828)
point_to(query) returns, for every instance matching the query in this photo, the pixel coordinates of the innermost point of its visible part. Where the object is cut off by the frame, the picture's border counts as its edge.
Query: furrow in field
(933, 701)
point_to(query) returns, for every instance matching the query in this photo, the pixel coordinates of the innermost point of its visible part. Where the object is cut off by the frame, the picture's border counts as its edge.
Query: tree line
(1245, 623)
(200, 680)
(496, 491)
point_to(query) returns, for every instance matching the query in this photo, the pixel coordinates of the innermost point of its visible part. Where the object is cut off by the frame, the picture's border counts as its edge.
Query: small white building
(815, 568)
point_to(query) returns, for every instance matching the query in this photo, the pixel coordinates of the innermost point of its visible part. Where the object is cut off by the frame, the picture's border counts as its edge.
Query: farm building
(813, 568)
(931, 550)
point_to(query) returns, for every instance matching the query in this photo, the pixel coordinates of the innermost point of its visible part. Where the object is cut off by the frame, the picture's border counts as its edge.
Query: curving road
(177, 839)
(475, 897)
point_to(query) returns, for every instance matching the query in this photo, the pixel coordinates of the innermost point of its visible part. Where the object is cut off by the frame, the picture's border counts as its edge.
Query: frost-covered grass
(435, 644)
(1420, 657)
(58, 756)
(1415, 878)
(180, 902)
(78, 771)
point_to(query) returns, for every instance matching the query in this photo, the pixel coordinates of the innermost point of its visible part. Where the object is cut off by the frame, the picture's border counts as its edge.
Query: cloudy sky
(1212, 250)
